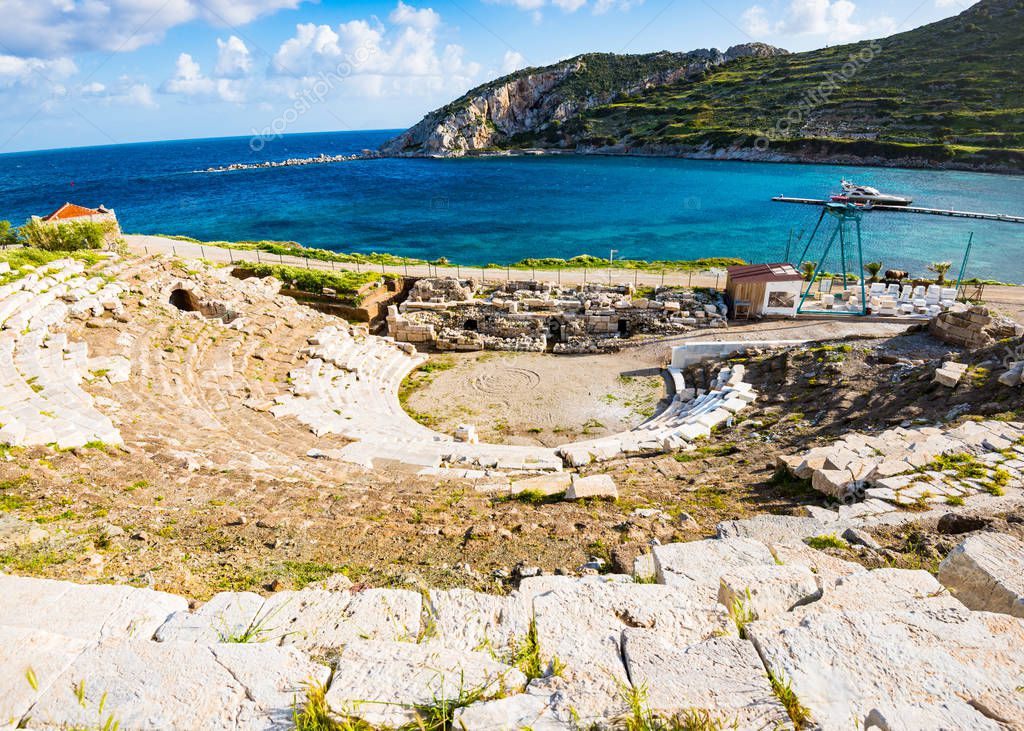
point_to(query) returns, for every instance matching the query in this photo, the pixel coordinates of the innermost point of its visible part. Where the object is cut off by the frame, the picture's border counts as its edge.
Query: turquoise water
(505, 209)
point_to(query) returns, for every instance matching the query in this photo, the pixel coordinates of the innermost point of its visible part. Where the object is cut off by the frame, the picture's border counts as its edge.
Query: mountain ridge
(949, 94)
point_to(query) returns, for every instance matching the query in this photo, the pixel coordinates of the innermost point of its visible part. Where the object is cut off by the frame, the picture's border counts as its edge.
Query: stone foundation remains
(529, 316)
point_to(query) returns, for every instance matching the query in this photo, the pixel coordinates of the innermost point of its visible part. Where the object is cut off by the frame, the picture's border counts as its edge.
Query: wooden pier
(913, 209)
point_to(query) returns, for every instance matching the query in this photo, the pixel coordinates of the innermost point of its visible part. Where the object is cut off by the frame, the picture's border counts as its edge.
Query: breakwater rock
(293, 162)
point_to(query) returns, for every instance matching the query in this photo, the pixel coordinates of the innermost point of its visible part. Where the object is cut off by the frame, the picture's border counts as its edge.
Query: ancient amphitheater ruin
(237, 398)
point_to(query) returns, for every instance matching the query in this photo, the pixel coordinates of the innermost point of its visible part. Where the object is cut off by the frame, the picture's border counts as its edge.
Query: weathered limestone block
(950, 373)
(986, 572)
(883, 589)
(766, 590)
(164, 685)
(826, 567)
(226, 615)
(380, 682)
(468, 620)
(524, 711)
(46, 654)
(771, 528)
(950, 713)
(1013, 375)
(90, 613)
(599, 486)
(697, 567)
(842, 665)
(318, 621)
(582, 624)
(722, 674)
(553, 484)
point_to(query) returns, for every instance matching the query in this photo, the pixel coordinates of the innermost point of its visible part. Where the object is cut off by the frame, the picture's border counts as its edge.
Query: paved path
(153, 244)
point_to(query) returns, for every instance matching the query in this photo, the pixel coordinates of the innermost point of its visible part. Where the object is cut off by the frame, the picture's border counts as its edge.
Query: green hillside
(952, 91)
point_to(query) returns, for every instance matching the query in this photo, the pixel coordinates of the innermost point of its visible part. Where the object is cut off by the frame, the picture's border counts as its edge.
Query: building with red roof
(72, 213)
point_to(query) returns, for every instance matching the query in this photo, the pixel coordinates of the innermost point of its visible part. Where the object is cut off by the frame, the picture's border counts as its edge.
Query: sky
(94, 72)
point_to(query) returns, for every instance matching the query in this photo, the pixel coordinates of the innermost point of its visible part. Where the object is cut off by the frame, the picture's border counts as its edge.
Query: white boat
(854, 193)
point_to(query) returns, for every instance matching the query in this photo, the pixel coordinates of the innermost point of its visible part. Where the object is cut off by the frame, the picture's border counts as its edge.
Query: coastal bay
(477, 211)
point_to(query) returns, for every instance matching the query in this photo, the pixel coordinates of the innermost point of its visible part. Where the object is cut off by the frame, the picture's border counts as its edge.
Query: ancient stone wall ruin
(455, 314)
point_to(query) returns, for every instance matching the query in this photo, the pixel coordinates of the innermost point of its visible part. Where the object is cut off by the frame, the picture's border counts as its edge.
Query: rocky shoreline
(721, 153)
(731, 155)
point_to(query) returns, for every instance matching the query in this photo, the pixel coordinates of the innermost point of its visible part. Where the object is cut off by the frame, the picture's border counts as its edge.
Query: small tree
(873, 268)
(807, 269)
(940, 268)
(8, 235)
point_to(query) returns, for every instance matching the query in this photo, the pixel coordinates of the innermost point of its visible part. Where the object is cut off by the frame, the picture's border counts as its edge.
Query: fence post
(258, 256)
(202, 251)
(231, 256)
(636, 278)
(406, 268)
(508, 274)
(458, 271)
(483, 275)
(280, 258)
(174, 251)
(662, 277)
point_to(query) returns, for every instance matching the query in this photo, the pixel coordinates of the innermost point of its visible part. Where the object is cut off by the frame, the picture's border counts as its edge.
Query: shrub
(346, 283)
(8, 236)
(72, 236)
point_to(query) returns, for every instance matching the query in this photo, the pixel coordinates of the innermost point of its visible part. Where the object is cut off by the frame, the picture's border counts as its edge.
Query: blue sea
(502, 210)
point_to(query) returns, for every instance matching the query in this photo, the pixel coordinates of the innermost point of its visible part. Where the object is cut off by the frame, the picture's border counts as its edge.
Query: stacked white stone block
(689, 417)
(885, 648)
(41, 398)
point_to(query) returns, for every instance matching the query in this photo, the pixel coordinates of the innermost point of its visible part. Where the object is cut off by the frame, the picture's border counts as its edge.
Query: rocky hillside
(948, 94)
(514, 108)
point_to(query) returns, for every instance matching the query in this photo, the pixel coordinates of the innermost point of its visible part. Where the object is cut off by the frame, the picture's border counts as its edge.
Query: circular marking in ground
(503, 380)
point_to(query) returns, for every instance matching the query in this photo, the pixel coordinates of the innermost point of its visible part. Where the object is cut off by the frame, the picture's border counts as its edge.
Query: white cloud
(513, 61)
(425, 19)
(126, 91)
(233, 58)
(52, 28)
(35, 72)
(831, 20)
(189, 81)
(598, 7)
(371, 59)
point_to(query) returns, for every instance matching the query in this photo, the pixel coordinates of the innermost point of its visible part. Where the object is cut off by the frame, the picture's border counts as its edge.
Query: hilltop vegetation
(951, 93)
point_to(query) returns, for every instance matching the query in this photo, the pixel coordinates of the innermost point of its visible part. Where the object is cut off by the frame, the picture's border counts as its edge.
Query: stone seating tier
(41, 399)
(349, 384)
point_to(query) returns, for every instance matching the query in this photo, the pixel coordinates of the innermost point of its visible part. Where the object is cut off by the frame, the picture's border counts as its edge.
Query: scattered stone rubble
(41, 371)
(962, 326)
(452, 314)
(912, 467)
(885, 648)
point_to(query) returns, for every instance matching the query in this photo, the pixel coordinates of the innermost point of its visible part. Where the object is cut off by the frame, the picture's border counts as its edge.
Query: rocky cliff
(538, 101)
